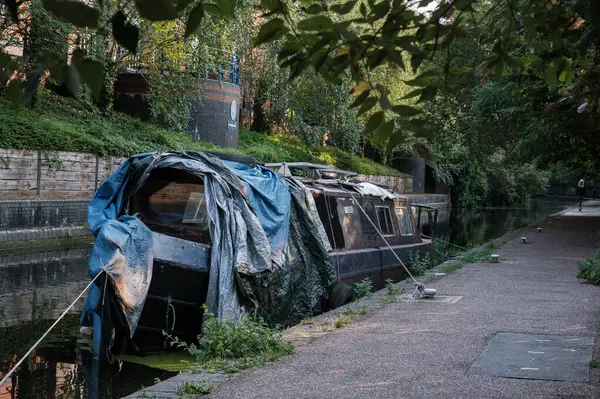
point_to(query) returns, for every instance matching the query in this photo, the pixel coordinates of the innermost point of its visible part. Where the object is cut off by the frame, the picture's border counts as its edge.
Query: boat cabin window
(174, 206)
(384, 217)
(405, 223)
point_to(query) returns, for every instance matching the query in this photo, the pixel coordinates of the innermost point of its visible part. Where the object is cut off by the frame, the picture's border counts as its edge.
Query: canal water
(35, 288)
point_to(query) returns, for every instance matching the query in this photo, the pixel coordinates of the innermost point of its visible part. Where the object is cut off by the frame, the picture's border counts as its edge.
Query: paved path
(431, 349)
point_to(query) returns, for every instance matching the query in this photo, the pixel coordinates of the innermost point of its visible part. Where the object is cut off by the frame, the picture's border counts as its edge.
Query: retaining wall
(398, 184)
(25, 173)
(23, 214)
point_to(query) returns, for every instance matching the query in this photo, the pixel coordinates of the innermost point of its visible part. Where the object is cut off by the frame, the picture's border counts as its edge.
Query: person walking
(580, 192)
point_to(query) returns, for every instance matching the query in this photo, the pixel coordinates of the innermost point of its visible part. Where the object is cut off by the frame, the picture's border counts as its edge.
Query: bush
(589, 270)
(236, 345)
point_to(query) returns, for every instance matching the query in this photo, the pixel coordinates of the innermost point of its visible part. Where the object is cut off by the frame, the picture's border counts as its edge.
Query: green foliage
(193, 389)
(393, 292)
(594, 364)
(363, 288)
(418, 264)
(63, 124)
(589, 269)
(236, 345)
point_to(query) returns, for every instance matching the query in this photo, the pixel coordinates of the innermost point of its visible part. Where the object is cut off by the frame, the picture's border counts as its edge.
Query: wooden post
(39, 173)
(96, 173)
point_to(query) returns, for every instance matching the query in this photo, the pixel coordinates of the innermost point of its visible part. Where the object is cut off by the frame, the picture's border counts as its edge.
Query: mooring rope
(384, 240)
(6, 377)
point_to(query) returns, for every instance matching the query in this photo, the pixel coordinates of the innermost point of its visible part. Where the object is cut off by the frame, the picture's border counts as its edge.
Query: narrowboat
(366, 227)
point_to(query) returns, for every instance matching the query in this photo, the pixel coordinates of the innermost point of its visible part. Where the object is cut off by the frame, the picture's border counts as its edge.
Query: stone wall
(44, 174)
(397, 184)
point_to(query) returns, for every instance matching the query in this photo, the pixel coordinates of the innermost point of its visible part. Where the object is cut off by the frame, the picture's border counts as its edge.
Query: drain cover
(537, 357)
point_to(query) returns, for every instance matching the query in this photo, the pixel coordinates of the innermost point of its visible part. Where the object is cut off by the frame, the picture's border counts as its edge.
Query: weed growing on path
(594, 364)
(589, 269)
(193, 389)
(363, 288)
(232, 346)
(393, 292)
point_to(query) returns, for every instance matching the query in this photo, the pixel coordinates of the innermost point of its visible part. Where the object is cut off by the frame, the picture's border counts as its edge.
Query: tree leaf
(92, 74)
(182, 4)
(416, 60)
(374, 121)
(74, 12)
(405, 110)
(550, 75)
(413, 94)
(15, 92)
(319, 22)
(13, 8)
(212, 9)
(313, 9)
(6, 62)
(344, 8)
(367, 105)
(270, 31)
(194, 19)
(428, 94)
(126, 34)
(156, 10)
(360, 99)
(414, 125)
(360, 88)
(396, 138)
(384, 131)
(227, 7)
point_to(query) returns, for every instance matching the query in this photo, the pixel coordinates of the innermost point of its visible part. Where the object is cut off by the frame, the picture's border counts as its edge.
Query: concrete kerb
(308, 330)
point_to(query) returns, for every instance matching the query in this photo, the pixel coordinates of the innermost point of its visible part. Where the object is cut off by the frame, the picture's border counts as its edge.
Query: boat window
(405, 223)
(172, 203)
(384, 217)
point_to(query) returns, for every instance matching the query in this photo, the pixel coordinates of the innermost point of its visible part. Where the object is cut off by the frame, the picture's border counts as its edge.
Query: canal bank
(524, 327)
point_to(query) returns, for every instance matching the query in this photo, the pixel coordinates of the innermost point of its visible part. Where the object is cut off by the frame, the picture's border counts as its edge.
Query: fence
(56, 174)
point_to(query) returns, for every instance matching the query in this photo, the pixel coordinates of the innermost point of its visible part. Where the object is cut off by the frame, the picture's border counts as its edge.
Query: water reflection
(477, 226)
(34, 291)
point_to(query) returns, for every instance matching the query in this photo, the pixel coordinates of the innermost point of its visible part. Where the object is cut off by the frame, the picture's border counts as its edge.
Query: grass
(344, 318)
(193, 389)
(62, 124)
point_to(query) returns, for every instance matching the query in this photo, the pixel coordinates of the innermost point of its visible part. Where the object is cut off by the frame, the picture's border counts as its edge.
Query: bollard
(495, 258)
(550, 223)
(539, 229)
(523, 240)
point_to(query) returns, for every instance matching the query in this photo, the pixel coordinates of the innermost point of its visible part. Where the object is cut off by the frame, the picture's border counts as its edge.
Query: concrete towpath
(525, 327)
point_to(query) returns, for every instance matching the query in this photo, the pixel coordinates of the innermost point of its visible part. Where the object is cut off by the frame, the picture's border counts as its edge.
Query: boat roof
(308, 165)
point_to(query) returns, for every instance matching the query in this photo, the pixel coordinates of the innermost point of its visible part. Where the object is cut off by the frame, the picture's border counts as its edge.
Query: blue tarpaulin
(270, 199)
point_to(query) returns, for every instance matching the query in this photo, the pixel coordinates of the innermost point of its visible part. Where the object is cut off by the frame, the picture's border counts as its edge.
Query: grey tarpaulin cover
(269, 249)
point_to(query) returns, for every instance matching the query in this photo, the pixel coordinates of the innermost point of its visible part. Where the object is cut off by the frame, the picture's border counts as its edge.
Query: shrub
(235, 345)
(589, 270)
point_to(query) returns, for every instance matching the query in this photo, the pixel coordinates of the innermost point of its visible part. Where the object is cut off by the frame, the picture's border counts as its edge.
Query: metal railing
(211, 64)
